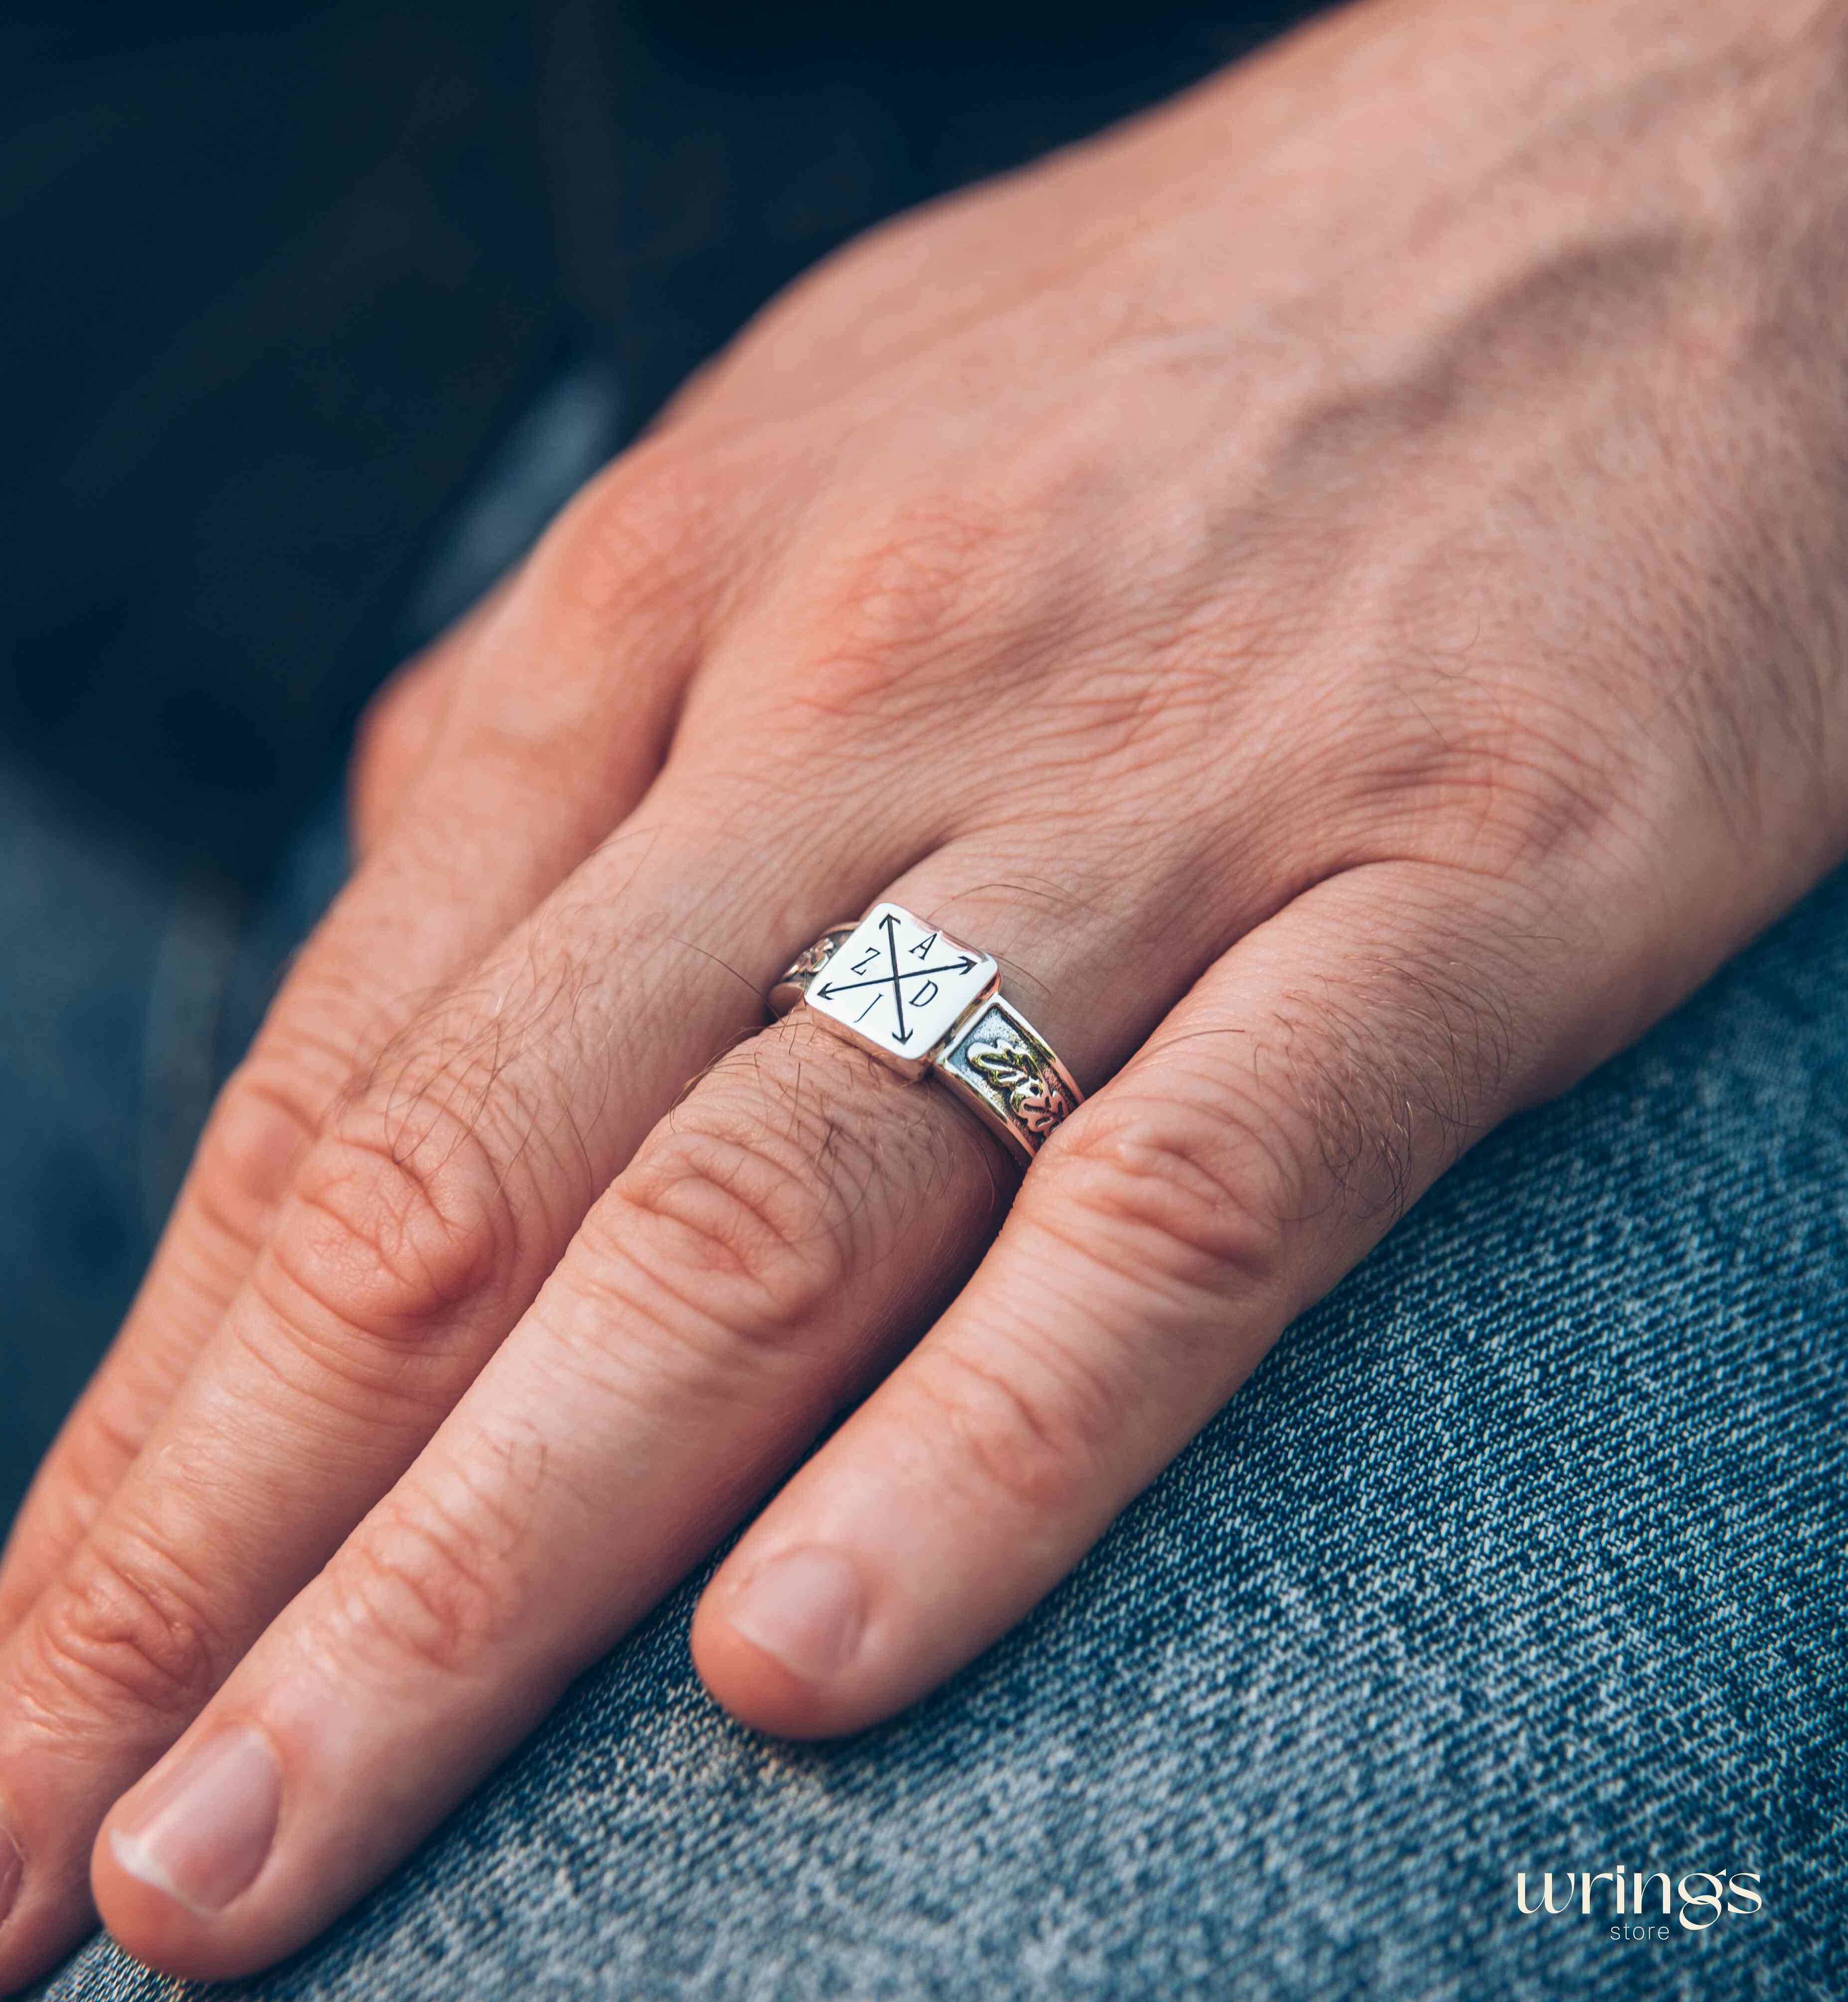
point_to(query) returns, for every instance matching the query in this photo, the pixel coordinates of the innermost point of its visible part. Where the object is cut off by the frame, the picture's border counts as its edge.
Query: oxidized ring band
(911, 997)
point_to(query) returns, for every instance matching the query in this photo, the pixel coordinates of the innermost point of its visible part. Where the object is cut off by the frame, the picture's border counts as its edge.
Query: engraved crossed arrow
(895, 978)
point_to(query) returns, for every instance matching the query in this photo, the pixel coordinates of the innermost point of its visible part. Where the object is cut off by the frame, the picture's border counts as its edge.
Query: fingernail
(804, 1608)
(200, 1833)
(13, 1867)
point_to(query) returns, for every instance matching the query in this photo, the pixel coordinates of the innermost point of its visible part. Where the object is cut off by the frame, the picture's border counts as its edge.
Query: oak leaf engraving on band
(1035, 1097)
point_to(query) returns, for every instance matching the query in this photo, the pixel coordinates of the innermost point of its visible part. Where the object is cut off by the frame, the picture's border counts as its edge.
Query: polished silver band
(926, 1005)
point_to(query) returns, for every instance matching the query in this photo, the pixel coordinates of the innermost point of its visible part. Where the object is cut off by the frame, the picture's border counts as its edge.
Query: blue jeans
(1522, 1553)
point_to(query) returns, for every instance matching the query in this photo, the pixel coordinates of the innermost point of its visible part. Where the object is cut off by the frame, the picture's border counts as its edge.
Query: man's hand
(1339, 586)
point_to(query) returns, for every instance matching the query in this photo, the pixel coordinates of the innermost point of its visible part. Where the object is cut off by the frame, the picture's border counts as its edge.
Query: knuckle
(391, 725)
(260, 1129)
(1157, 1187)
(395, 1223)
(428, 1586)
(756, 1199)
(1519, 772)
(1032, 1429)
(729, 1224)
(107, 1437)
(395, 730)
(125, 1626)
(1548, 789)
(929, 581)
(629, 537)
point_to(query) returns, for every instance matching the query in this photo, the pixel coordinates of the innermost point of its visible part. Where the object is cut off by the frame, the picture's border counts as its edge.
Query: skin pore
(1335, 584)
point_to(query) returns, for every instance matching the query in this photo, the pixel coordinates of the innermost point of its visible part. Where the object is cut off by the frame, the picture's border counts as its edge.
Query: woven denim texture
(1523, 1551)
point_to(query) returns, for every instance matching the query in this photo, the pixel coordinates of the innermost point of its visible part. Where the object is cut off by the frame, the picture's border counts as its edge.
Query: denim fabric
(1523, 1552)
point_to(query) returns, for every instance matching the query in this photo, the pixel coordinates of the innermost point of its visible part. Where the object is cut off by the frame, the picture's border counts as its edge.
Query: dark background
(312, 317)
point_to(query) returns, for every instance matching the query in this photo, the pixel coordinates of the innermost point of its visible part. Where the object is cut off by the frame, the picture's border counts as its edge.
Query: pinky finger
(1318, 1078)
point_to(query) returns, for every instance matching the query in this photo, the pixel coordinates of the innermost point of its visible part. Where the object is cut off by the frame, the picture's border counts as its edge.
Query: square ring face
(898, 986)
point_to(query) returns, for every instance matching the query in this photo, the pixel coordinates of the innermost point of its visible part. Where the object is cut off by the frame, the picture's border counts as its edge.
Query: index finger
(535, 765)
